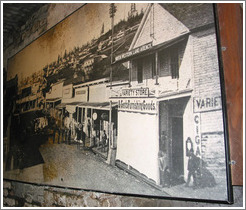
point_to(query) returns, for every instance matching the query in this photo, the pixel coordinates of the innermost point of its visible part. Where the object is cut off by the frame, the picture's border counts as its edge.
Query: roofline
(58, 82)
(147, 11)
(94, 82)
(155, 48)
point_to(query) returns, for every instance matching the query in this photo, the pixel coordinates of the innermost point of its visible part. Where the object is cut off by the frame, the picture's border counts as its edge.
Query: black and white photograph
(120, 98)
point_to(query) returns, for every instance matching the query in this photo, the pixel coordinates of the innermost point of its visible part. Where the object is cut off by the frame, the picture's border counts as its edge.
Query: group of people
(62, 130)
(67, 129)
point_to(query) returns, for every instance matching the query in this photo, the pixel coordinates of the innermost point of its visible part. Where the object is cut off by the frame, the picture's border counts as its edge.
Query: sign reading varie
(204, 104)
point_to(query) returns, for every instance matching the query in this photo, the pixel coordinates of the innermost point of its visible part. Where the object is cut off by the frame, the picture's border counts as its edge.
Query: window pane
(140, 71)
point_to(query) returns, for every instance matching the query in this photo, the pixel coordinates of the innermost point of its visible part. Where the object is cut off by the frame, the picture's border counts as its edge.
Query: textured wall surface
(29, 195)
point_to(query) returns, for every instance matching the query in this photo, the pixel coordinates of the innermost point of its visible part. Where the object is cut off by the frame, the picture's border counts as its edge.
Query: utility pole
(112, 151)
(112, 11)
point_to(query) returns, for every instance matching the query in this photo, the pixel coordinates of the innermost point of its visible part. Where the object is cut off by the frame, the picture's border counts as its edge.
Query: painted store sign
(135, 92)
(138, 105)
(134, 51)
(204, 104)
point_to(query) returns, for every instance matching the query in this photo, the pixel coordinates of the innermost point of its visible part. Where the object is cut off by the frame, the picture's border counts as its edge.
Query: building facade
(172, 102)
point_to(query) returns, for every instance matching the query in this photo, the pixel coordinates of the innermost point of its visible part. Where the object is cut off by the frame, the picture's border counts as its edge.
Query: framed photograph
(123, 98)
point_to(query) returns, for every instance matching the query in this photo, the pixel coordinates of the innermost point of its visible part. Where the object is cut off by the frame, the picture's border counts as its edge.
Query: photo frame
(123, 98)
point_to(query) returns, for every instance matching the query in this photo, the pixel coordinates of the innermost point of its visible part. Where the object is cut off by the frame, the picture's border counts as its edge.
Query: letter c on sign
(196, 119)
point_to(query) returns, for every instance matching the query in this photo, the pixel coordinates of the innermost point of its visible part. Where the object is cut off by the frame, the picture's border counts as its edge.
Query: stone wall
(17, 194)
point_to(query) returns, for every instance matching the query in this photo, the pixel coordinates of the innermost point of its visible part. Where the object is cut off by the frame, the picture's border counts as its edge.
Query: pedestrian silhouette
(193, 167)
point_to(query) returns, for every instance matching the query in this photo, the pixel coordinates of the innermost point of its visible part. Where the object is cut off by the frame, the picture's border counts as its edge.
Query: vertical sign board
(199, 149)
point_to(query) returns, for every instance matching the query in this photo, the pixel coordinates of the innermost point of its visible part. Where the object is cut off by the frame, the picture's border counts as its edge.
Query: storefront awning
(92, 105)
(52, 100)
(97, 105)
(63, 105)
(174, 94)
(60, 106)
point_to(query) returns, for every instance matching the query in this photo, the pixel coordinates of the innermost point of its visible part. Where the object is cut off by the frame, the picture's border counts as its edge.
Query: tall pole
(112, 11)
(111, 152)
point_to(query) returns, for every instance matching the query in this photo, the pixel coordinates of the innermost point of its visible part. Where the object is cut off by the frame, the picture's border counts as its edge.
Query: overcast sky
(76, 30)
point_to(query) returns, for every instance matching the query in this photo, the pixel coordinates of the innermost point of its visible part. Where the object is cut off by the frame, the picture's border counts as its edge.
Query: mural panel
(121, 98)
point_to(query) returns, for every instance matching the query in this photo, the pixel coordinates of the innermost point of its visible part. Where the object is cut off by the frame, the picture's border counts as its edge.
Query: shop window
(176, 57)
(73, 95)
(83, 115)
(80, 115)
(89, 113)
(140, 71)
(175, 63)
(164, 64)
(153, 66)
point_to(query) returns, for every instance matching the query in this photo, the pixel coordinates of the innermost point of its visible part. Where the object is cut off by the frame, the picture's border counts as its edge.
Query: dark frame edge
(224, 106)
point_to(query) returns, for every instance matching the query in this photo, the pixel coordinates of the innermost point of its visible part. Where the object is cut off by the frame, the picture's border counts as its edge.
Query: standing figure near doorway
(165, 176)
(104, 140)
(193, 167)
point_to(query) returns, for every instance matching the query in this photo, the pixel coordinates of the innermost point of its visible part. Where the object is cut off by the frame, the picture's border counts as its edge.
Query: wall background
(29, 195)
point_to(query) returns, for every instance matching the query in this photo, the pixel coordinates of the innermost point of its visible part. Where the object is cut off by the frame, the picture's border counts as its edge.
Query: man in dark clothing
(193, 167)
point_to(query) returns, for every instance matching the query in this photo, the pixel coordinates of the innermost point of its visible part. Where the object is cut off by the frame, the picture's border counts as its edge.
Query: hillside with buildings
(90, 61)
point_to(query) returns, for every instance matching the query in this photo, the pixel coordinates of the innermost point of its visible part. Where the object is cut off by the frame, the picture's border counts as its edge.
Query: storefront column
(91, 137)
(158, 139)
(112, 149)
(82, 114)
(62, 113)
(77, 109)
(130, 72)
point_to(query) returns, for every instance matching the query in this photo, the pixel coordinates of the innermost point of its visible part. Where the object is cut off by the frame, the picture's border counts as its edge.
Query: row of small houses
(171, 102)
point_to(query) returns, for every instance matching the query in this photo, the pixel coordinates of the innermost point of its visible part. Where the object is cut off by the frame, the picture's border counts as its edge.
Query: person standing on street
(193, 167)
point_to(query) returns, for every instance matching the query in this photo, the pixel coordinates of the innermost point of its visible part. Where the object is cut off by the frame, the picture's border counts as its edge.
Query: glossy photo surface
(120, 98)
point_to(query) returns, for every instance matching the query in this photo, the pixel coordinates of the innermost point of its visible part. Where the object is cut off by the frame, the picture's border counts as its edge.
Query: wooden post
(230, 28)
(130, 72)
(112, 150)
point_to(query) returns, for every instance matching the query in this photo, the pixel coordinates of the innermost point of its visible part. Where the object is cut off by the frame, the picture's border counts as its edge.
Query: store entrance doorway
(177, 157)
(171, 141)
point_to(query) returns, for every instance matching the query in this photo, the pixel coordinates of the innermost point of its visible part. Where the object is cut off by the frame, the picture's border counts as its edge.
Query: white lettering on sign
(139, 105)
(206, 104)
(137, 92)
(197, 148)
(134, 51)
